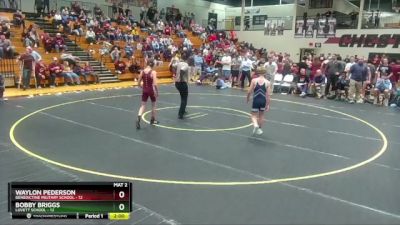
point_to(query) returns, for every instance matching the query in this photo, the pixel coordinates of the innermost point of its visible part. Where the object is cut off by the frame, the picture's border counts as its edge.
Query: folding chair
(287, 84)
(277, 82)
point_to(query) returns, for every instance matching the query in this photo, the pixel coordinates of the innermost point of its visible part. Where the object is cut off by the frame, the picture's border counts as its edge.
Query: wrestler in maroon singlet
(148, 82)
(148, 89)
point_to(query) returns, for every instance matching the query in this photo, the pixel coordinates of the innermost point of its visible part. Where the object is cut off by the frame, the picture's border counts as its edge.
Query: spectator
(77, 29)
(69, 75)
(383, 86)
(358, 74)
(134, 67)
(35, 54)
(90, 36)
(377, 18)
(19, 19)
(332, 72)
(120, 66)
(38, 4)
(302, 81)
(6, 49)
(115, 54)
(220, 83)
(40, 73)
(55, 69)
(59, 43)
(46, 5)
(245, 67)
(271, 68)
(226, 62)
(198, 63)
(394, 78)
(318, 84)
(48, 42)
(28, 64)
(57, 19)
(129, 51)
(88, 70)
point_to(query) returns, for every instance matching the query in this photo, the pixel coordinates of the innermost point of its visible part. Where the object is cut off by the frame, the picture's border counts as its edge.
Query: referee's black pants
(183, 91)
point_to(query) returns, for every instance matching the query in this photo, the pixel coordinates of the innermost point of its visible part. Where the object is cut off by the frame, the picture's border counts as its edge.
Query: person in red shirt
(48, 42)
(233, 36)
(212, 37)
(167, 30)
(376, 60)
(395, 67)
(59, 43)
(120, 67)
(56, 70)
(316, 65)
(40, 73)
(28, 64)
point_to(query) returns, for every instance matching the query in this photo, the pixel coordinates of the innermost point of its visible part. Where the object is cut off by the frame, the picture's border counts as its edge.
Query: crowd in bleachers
(220, 59)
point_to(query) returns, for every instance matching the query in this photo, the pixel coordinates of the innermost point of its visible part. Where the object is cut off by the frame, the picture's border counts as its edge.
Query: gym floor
(318, 161)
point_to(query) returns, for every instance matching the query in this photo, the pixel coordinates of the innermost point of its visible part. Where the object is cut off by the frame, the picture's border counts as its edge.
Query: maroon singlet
(148, 89)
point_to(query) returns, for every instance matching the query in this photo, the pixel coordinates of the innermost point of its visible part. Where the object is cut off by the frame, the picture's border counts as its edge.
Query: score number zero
(121, 194)
(121, 206)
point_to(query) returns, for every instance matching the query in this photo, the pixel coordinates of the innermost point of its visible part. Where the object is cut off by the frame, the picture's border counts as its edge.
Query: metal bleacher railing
(232, 24)
(87, 6)
(8, 69)
(386, 20)
(10, 5)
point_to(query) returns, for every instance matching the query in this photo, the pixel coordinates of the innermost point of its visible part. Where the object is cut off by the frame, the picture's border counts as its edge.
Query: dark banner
(366, 40)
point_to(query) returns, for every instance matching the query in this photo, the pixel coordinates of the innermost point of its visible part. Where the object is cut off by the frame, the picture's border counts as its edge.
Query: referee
(181, 83)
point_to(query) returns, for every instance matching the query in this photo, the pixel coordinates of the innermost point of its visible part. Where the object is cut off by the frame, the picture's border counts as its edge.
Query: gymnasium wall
(198, 7)
(288, 43)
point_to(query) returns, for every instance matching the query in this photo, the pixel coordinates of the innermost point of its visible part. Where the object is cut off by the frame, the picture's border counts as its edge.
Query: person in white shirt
(226, 62)
(57, 19)
(187, 43)
(245, 68)
(348, 66)
(271, 68)
(90, 36)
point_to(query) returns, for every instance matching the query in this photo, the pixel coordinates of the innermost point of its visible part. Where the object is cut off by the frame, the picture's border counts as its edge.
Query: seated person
(342, 87)
(72, 60)
(167, 54)
(302, 81)
(207, 73)
(135, 34)
(18, 18)
(134, 67)
(382, 89)
(88, 70)
(59, 43)
(55, 69)
(167, 30)
(157, 59)
(129, 51)
(120, 67)
(69, 75)
(77, 69)
(128, 37)
(90, 36)
(105, 48)
(48, 42)
(40, 73)
(6, 49)
(77, 29)
(318, 84)
(221, 84)
(115, 54)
